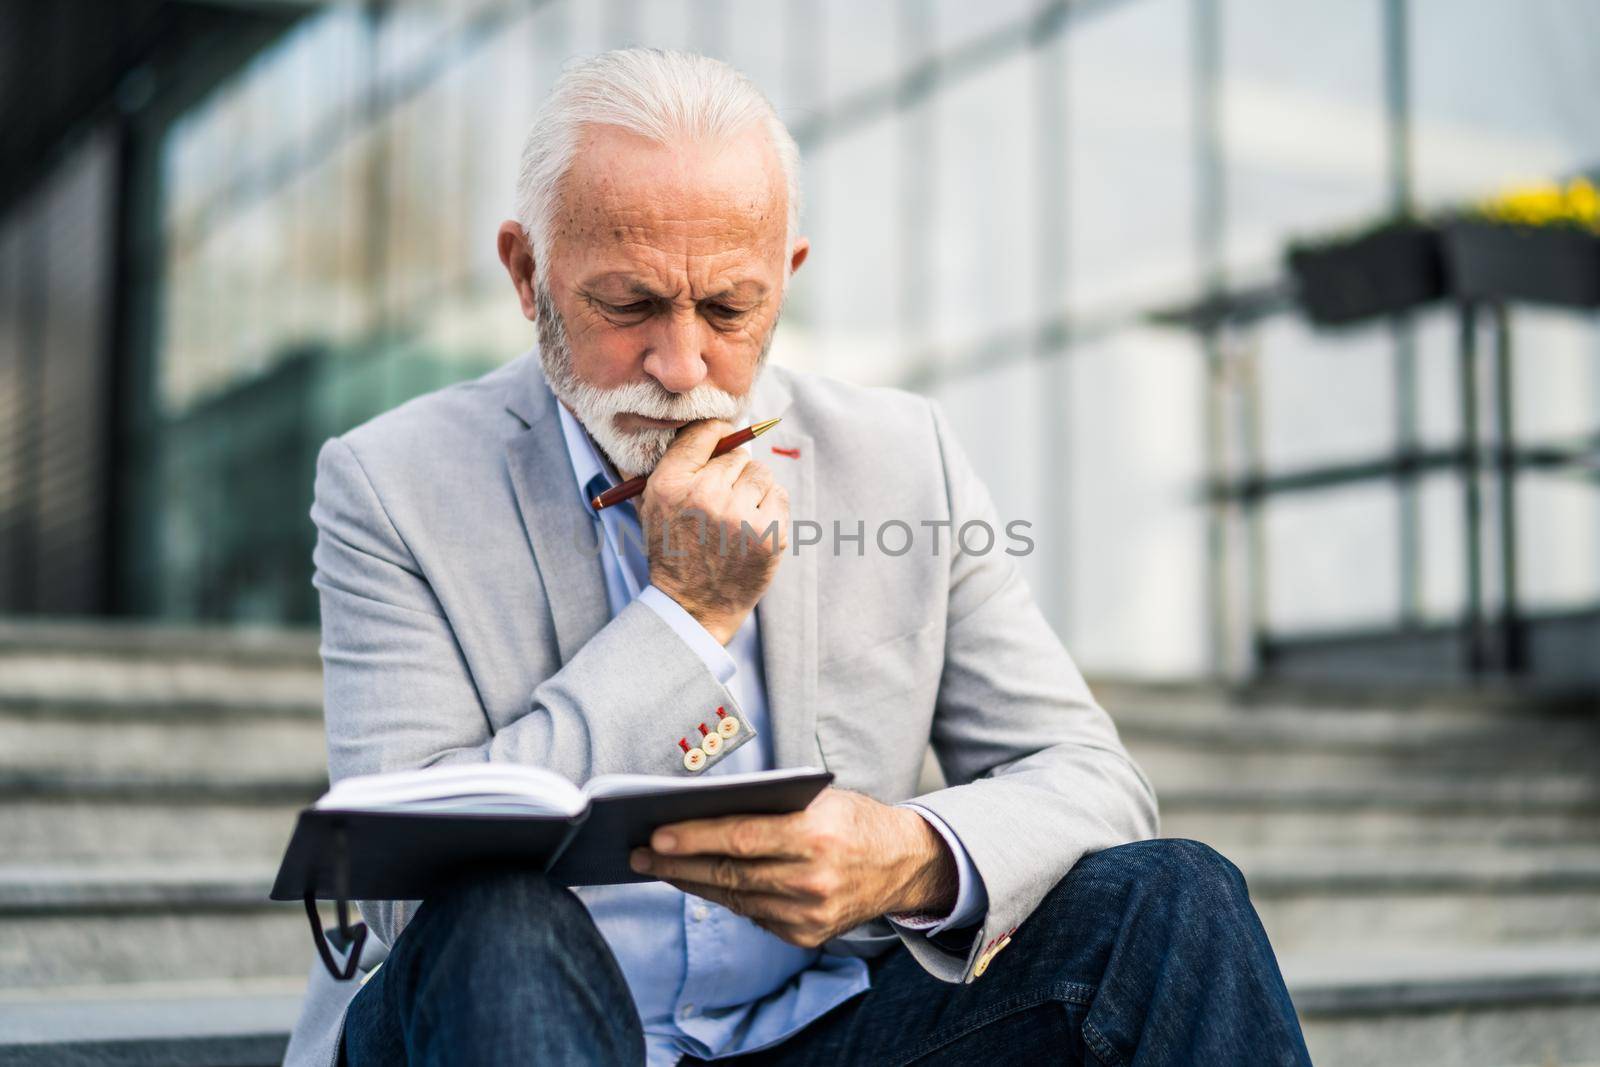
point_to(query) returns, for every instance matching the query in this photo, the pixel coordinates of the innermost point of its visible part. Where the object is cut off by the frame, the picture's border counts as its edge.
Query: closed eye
(723, 311)
(624, 314)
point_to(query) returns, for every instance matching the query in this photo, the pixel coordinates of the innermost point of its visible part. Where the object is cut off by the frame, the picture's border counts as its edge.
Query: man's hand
(811, 875)
(694, 512)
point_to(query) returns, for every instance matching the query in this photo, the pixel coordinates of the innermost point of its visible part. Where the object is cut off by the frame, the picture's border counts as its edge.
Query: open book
(516, 789)
(409, 834)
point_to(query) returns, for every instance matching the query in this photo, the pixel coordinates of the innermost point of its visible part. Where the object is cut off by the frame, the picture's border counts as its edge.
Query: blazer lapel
(574, 583)
(559, 531)
(787, 612)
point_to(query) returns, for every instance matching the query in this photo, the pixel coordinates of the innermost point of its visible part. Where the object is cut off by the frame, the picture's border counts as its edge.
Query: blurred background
(229, 230)
(1339, 583)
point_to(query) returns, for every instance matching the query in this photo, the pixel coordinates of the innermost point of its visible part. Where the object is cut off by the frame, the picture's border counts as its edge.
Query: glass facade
(1001, 197)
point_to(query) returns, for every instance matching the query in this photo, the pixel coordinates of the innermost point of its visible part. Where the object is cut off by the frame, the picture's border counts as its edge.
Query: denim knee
(1175, 871)
(1192, 863)
(503, 900)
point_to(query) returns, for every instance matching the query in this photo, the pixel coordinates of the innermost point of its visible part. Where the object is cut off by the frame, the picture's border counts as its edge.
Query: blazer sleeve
(398, 694)
(1038, 776)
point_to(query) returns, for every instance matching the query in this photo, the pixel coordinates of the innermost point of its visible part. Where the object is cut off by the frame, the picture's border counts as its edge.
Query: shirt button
(686, 1010)
(700, 913)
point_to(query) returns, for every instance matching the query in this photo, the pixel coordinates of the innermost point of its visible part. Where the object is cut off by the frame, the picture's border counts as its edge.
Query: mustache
(649, 399)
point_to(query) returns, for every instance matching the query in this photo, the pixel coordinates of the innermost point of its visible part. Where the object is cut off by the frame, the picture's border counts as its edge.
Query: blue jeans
(1150, 953)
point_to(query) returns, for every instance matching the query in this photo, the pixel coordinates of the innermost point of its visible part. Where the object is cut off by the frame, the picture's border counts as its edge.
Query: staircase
(148, 782)
(1428, 866)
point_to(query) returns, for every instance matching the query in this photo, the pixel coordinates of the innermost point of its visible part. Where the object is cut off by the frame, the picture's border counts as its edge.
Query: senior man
(474, 608)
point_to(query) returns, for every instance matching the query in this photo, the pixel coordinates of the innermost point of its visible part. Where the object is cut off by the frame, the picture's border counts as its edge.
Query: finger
(695, 441)
(752, 484)
(724, 872)
(740, 836)
(724, 470)
(774, 508)
(775, 501)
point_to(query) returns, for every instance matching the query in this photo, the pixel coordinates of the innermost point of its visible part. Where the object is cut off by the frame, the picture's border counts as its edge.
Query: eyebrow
(748, 287)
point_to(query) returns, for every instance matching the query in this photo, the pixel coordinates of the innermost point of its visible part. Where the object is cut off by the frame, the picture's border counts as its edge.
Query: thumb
(694, 443)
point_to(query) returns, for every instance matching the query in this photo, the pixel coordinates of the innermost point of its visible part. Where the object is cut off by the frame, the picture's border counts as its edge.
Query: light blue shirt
(706, 981)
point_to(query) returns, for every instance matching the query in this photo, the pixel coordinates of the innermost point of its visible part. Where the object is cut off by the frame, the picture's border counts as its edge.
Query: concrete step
(283, 646)
(114, 821)
(243, 745)
(1354, 728)
(237, 1023)
(1172, 766)
(1485, 701)
(1248, 817)
(45, 665)
(80, 925)
(1536, 1004)
(1178, 751)
(1386, 900)
(46, 680)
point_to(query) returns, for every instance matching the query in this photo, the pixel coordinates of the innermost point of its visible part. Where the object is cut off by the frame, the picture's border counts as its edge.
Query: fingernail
(663, 842)
(639, 860)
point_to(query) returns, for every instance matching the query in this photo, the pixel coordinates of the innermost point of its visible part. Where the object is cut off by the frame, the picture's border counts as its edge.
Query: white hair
(665, 96)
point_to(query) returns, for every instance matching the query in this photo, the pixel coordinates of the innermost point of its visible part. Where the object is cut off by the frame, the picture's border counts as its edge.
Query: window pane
(1559, 527)
(1333, 559)
(1136, 546)
(1325, 398)
(862, 45)
(1502, 93)
(1303, 124)
(1013, 464)
(985, 197)
(1130, 185)
(848, 291)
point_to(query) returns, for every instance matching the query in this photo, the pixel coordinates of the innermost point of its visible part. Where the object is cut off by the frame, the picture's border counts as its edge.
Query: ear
(802, 249)
(517, 258)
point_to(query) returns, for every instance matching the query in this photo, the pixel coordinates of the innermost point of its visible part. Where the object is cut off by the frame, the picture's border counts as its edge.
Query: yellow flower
(1547, 204)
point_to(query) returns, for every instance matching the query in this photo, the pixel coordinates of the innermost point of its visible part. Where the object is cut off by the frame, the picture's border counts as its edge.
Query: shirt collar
(585, 459)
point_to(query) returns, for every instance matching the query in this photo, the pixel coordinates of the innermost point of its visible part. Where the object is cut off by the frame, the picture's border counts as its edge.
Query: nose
(676, 355)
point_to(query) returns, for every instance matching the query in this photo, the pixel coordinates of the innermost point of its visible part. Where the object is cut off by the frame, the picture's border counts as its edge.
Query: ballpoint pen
(634, 486)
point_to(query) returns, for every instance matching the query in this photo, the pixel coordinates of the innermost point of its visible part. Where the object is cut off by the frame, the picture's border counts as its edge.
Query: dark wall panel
(54, 362)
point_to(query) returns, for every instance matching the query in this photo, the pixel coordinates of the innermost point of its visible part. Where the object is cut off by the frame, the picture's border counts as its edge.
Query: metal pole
(1206, 47)
(1402, 327)
(1472, 486)
(1244, 355)
(1512, 657)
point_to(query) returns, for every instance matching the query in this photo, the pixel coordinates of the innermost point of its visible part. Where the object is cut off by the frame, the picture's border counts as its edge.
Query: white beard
(636, 451)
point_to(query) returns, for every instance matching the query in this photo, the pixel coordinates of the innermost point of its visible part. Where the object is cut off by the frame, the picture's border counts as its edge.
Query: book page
(629, 785)
(486, 788)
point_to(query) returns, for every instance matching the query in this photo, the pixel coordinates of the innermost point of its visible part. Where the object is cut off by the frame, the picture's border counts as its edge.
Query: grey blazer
(464, 618)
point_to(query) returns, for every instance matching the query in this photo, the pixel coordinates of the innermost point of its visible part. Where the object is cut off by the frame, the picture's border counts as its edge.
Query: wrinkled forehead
(630, 196)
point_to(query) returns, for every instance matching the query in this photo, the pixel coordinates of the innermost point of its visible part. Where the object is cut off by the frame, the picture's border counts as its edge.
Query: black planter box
(1543, 264)
(1382, 273)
